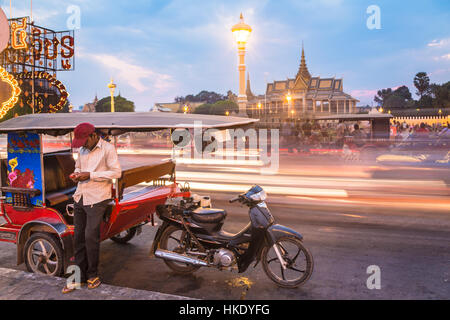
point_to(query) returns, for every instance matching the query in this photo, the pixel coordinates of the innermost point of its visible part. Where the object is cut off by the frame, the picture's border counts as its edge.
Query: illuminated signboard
(33, 56)
(50, 94)
(9, 92)
(36, 47)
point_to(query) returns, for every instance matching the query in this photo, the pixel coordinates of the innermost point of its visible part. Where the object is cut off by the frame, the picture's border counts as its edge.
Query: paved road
(413, 252)
(351, 217)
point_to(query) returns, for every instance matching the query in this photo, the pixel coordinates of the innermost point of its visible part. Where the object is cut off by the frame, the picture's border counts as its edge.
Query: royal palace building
(299, 98)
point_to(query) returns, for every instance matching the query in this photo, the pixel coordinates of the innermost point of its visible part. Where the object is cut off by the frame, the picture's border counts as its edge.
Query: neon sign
(18, 34)
(15, 92)
(51, 96)
(30, 61)
(37, 47)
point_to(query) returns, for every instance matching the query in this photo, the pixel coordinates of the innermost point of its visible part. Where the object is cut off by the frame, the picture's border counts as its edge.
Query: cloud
(41, 14)
(436, 43)
(363, 93)
(441, 47)
(439, 44)
(367, 95)
(138, 77)
(440, 72)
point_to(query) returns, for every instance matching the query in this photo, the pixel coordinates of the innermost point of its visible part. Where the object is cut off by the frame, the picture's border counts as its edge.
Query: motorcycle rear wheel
(299, 260)
(178, 240)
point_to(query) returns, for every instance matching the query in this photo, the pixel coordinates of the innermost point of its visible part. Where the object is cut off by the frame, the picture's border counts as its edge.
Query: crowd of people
(403, 131)
(311, 133)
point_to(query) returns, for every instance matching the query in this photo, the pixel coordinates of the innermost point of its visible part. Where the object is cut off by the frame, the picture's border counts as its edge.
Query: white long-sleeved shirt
(103, 165)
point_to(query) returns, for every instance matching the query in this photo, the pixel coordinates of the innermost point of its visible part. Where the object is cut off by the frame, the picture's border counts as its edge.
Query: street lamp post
(112, 87)
(289, 99)
(241, 32)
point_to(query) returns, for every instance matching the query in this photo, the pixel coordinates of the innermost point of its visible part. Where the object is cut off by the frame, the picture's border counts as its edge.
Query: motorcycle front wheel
(299, 262)
(179, 241)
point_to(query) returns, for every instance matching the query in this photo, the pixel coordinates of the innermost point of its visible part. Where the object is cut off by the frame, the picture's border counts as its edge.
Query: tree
(440, 95)
(209, 97)
(382, 95)
(203, 109)
(203, 96)
(397, 99)
(422, 83)
(431, 95)
(403, 92)
(218, 108)
(221, 107)
(120, 105)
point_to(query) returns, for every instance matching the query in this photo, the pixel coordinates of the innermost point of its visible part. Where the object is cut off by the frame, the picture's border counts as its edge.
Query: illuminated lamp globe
(241, 32)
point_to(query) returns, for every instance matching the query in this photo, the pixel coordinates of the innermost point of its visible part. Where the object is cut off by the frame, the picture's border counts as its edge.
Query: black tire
(291, 256)
(169, 238)
(124, 236)
(43, 253)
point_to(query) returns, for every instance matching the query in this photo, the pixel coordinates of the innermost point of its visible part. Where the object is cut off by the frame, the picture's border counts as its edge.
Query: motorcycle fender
(277, 231)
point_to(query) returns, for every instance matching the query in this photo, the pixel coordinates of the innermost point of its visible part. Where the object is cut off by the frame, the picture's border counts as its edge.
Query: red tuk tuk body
(43, 232)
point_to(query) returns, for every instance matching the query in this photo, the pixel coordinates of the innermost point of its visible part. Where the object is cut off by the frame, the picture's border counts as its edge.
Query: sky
(156, 50)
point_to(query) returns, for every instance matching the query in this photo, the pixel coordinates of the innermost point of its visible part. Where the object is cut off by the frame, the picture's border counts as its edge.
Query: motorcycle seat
(207, 215)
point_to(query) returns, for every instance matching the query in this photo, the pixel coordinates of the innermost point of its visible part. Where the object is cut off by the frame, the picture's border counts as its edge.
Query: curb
(20, 285)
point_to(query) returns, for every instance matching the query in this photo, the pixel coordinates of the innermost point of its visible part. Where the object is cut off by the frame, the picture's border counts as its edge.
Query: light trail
(240, 188)
(296, 181)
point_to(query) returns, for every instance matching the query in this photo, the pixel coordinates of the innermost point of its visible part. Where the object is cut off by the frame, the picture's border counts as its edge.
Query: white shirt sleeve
(112, 162)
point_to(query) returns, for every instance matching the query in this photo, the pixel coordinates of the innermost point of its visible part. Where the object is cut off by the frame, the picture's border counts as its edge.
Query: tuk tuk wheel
(124, 236)
(44, 254)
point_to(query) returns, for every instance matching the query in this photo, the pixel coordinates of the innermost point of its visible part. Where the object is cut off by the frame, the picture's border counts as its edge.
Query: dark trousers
(87, 220)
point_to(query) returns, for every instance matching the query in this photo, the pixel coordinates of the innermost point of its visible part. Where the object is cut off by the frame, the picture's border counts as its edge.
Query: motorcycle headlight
(260, 196)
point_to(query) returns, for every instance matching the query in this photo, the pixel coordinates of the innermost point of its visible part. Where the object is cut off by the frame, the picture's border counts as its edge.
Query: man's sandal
(94, 283)
(72, 287)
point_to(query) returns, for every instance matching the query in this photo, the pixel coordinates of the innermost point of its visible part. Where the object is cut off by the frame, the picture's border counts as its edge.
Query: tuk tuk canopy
(57, 124)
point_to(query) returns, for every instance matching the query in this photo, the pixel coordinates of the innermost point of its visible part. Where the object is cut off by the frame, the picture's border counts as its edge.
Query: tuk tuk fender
(278, 231)
(48, 225)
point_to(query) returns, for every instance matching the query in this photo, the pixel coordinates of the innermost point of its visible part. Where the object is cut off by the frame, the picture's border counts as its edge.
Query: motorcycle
(191, 237)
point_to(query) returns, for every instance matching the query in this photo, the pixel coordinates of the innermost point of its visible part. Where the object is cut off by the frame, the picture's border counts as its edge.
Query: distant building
(176, 106)
(308, 97)
(90, 107)
(158, 108)
(364, 109)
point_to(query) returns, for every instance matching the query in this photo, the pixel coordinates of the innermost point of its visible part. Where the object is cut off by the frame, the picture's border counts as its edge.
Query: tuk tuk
(376, 140)
(36, 192)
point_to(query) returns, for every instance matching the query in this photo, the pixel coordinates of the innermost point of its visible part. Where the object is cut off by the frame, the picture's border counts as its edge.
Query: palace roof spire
(249, 92)
(303, 70)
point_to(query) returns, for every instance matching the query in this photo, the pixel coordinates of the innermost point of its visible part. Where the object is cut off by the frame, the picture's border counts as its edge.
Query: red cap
(81, 133)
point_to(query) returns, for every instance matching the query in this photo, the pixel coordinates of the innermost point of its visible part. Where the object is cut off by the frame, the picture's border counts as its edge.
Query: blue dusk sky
(159, 49)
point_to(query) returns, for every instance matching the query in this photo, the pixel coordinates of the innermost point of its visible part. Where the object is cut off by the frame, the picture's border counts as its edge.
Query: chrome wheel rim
(295, 258)
(42, 257)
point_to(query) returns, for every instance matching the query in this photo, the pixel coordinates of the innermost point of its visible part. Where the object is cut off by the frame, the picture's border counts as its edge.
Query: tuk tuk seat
(59, 188)
(134, 173)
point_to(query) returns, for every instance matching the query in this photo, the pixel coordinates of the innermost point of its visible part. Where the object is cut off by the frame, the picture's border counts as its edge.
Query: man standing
(97, 164)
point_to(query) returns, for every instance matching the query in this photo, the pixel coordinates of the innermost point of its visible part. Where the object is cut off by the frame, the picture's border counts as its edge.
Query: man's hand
(82, 176)
(74, 177)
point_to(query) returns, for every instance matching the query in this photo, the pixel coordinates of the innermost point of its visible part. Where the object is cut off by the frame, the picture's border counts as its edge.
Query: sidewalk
(19, 285)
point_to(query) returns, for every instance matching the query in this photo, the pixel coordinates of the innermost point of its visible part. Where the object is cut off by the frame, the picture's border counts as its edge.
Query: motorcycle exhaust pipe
(169, 255)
